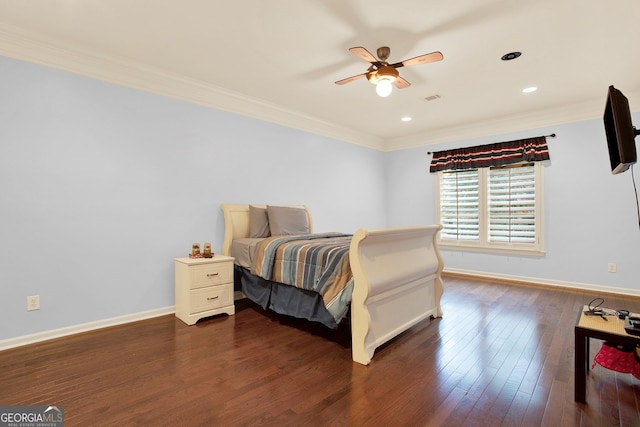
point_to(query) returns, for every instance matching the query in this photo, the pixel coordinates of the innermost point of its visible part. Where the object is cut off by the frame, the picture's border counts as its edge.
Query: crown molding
(18, 44)
(30, 47)
(570, 113)
(485, 128)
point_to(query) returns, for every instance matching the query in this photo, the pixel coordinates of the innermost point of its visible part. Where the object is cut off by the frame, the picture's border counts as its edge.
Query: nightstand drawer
(212, 297)
(211, 274)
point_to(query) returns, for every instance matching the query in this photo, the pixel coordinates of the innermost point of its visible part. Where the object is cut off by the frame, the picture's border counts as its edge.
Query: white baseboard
(545, 282)
(85, 327)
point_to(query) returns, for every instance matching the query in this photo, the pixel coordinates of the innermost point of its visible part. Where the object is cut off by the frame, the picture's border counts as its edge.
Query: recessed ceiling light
(406, 119)
(511, 55)
(529, 89)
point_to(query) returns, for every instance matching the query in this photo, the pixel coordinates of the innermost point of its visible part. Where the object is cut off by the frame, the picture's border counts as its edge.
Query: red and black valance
(497, 154)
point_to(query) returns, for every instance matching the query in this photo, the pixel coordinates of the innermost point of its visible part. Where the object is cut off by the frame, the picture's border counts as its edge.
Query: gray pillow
(258, 222)
(285, 220)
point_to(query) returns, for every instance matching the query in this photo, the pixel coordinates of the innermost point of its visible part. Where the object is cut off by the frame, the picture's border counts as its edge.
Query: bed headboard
(236, 223)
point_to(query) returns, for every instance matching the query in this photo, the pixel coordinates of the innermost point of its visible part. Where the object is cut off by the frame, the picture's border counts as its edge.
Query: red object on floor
(617, 359)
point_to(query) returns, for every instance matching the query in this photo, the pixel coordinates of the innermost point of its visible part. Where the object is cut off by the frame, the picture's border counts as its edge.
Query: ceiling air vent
(432, 98)
(511, 56)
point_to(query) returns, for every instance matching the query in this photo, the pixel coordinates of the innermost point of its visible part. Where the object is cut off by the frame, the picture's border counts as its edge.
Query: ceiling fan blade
(401, 83)
(364, 54)
(350, 79)
(422, 59)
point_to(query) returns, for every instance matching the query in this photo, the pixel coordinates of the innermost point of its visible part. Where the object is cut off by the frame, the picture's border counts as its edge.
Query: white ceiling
(278, 60)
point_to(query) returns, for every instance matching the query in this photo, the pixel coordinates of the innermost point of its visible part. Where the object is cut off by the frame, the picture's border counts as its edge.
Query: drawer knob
(210, 298)
(212, 274)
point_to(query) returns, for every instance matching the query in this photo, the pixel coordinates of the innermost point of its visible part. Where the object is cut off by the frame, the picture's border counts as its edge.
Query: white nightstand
(204, 287)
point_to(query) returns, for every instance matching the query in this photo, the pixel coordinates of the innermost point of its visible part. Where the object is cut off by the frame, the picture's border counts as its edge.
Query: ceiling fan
(382, 74)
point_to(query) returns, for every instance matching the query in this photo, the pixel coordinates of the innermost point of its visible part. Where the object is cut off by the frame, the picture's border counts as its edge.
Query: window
(460, 205)
(496, 208)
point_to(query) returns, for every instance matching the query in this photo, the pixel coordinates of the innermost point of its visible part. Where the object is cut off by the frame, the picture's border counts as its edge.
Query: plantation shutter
(459, 205)
(512, 204)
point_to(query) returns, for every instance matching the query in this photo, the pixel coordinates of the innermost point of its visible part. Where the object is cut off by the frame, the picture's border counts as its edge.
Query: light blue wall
(102, 186)
(590, 215)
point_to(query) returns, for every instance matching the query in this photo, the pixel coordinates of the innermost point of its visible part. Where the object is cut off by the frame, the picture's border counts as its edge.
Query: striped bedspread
(318, 262)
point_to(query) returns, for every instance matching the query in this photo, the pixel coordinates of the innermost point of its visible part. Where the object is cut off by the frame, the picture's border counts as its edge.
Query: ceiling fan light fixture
(384, 88)
(385, 72)
(383, 78)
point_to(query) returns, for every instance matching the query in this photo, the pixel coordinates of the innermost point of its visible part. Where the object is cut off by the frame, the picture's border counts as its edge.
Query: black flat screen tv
(620, 132)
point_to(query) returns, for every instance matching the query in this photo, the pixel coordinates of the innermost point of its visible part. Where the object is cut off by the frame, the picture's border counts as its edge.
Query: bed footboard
(397, 283)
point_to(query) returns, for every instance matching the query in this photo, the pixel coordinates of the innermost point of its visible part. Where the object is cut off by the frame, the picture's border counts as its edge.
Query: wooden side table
(611, 330)
(203, 287)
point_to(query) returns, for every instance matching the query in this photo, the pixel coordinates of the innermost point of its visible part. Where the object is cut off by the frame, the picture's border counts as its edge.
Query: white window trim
(483, 245)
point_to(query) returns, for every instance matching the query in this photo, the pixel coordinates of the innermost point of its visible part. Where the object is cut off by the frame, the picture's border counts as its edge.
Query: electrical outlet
(33, 302)
(612, 267)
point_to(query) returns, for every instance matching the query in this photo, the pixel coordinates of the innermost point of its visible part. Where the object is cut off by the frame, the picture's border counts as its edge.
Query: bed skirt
(283, 299)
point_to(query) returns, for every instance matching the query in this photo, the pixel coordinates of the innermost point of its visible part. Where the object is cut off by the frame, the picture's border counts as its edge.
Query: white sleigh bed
(396, 278)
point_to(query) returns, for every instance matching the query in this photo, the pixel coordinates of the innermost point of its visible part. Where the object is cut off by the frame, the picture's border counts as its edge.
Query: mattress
(243, 250)
(305, 276)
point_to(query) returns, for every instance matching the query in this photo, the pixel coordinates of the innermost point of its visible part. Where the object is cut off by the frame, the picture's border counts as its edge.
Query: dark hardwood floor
(502, 355)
